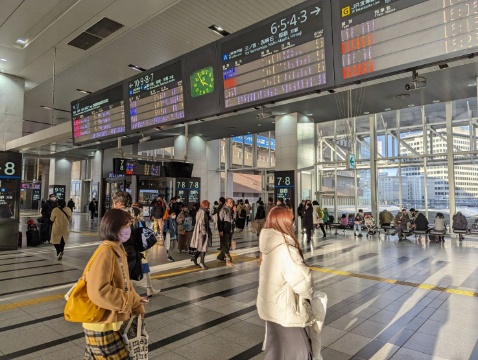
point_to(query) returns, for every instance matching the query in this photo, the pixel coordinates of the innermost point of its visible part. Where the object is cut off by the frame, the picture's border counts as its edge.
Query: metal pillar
(450, 157)
(373, 166)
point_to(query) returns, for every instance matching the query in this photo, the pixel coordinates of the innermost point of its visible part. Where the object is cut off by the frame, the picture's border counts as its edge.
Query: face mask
(173, 217)
(124, 235)
(53, 198)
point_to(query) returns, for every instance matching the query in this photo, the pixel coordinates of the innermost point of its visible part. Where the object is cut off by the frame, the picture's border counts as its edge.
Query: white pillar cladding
(205, 157)
(60, 174)
(12, 93)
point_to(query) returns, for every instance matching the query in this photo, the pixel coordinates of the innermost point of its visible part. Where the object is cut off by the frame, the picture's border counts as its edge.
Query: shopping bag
(148, 239)
(136, 339)
(167, 241)
(319, 308)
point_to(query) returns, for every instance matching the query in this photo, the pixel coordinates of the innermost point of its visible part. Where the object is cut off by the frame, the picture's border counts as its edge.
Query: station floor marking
(396, 282)
(244, 259)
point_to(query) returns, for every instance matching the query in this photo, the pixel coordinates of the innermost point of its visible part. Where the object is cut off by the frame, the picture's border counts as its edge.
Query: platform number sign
(188, 190)
(119, 166)
(284, 186)
(10, 165)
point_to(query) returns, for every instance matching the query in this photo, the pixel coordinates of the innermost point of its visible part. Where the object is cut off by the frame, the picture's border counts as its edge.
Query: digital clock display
(380, 37)
(282, 57)
(98, 116)
(156, 97)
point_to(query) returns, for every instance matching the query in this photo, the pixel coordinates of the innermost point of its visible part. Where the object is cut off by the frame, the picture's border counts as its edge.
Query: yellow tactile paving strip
(244, 259)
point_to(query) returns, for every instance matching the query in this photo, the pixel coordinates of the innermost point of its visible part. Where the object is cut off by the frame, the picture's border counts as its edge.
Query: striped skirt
(108, 345)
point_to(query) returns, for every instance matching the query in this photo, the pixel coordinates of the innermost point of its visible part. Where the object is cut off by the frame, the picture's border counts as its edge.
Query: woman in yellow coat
(60, 231)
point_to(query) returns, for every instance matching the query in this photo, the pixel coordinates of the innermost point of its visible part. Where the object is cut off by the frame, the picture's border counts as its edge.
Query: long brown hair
(281, 220)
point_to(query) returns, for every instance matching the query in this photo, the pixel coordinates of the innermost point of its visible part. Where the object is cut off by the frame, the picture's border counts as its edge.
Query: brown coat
(61, 224)
(109, 293)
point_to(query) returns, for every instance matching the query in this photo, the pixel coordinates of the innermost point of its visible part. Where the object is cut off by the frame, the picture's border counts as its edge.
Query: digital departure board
(379, 37)
(99, 116)
(156, 97)
(282, 57)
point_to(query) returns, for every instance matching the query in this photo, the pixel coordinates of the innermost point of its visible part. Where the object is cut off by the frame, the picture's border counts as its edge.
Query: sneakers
(60, 256)
(170, 258)
(221, 260)
(203, 266)
(150, 292)
(360, 235)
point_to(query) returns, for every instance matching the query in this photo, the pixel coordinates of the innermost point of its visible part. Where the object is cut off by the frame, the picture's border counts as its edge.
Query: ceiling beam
(48, 136)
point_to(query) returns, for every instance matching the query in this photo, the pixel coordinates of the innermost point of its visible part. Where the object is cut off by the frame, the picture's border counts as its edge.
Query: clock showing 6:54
(202, 82)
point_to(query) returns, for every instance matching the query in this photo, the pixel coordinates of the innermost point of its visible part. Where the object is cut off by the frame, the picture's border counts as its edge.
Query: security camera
(144, 139)
(418, 82)
(415, 85)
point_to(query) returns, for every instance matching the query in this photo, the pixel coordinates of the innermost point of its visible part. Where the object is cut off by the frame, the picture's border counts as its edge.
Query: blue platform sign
(262, 141)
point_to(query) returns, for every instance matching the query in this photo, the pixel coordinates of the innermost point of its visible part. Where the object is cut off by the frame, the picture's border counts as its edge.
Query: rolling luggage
(33, 238)
(20, 241)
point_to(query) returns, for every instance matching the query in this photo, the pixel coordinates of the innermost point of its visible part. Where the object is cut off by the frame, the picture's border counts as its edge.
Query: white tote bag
(319, 308)
(136, 343)
(167, 241)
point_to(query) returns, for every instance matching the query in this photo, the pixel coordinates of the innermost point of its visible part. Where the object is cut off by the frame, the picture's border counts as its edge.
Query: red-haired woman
(285, 288)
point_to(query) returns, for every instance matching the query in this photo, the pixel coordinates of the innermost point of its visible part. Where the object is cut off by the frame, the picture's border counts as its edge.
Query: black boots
(202, 264)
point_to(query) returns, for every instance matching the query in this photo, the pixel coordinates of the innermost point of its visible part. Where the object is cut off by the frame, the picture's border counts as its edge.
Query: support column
(12, 93)
(450, 157)
(373, 166)
(60, 174)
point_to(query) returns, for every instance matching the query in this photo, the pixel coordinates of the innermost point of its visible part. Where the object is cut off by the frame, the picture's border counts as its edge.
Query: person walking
(307, 219)
(71, 204)
(248, 208)
(93, 208)
(202, 234)
(285, 290)
(157, 216)
(318, 217)
(182, 233)
(46, 210)
(260, 217)
(110, 288)
(270, 205)
(60, 218)
(358, 222)
(146, 282)
(225, 226)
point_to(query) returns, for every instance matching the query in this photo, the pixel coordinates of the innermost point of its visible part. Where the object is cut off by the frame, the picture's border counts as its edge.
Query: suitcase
(20, 241)
(44, 232)
(33, 238)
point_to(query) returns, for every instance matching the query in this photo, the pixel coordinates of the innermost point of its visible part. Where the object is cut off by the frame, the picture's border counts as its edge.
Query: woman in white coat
(285, 290)
(60, 230)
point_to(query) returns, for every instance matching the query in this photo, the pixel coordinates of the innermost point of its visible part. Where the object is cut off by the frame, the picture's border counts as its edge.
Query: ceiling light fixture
(56, 109)
(310, 114)
(332, 91)
(218, 30)
(366, 112)
(436, 101)
(135, 67)
(411, 105)
(2, 70)
(388, 109)
(22, 42)
(471, 84)
(443, 66)
(144, 139)
(84, 91)
(2, 59)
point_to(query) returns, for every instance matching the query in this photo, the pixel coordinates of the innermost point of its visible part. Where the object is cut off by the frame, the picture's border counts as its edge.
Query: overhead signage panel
(284, 56)
(156, 97)
(98, 116)
(380, 37)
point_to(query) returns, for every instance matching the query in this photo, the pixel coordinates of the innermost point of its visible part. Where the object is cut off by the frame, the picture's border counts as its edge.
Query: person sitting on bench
(460, 223)
(385, 217)
(401, 222)
(420, 224)
(344, 222)
(440, 226)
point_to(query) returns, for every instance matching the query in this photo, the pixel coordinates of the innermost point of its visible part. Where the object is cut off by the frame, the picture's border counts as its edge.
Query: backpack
(243, 213)
(387, 217)
(188, 224)
(320, 213)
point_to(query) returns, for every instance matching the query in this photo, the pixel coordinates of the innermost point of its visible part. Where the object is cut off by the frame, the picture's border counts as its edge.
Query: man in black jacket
(157, 215)
(225, 226)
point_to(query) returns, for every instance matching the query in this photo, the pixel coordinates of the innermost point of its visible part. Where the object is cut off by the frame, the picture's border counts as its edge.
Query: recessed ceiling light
(135, 67)
(331, 91)
(2, 59)
(310, 114)
(282, 113)
(388, 109)
(22, 42)
(218, 30)
(436, 101)
(248, 132)
(84, 91)
(259, 124)
(273, 122)
(366, 112)
(411, 105)
(472, 84)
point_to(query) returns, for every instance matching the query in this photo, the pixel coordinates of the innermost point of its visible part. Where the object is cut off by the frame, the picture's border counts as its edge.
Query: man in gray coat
(225, 226)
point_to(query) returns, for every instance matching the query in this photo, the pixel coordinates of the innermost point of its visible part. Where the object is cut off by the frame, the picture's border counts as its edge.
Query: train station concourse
(343, 131)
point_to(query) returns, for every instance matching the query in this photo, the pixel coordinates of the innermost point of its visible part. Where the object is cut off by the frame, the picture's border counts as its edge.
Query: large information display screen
(282, 57)
(98, 116)
(380, 37)
(156, 97)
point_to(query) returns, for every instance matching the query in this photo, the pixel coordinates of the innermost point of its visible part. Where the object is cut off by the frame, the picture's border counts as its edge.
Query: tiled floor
(376, 310)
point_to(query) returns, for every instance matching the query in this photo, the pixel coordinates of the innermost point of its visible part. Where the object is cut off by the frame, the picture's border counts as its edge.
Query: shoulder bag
(79, 307)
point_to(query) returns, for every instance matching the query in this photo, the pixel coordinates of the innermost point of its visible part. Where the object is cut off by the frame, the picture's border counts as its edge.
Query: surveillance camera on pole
(418, 82)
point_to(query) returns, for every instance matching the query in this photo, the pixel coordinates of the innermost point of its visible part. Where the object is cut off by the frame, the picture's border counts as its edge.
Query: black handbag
(145, 237)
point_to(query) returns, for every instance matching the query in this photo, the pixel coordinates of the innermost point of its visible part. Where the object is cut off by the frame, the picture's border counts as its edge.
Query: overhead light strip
(218, 30)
